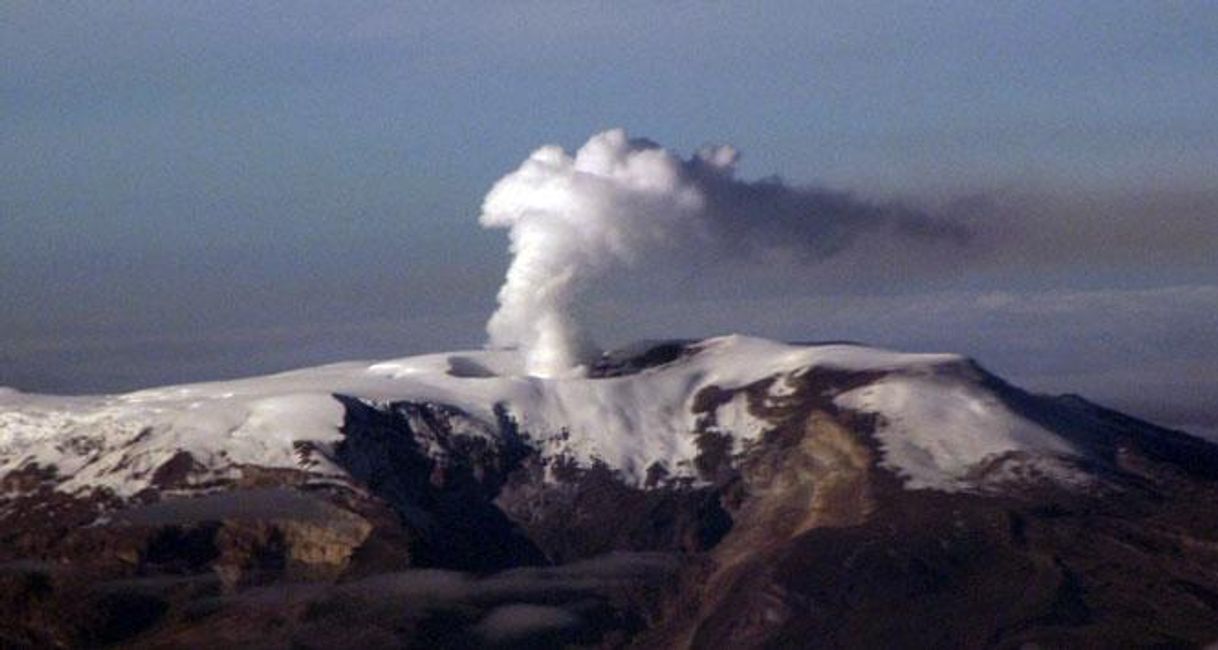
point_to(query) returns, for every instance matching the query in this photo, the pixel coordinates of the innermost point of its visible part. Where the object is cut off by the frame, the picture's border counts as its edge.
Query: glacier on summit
(937, 420)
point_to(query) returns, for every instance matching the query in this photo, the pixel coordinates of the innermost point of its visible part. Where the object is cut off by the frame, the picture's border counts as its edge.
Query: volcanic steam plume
(619, 200)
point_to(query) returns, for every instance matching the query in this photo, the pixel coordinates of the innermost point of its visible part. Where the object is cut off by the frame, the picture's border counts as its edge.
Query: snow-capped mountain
(940, 421)
(765, 493)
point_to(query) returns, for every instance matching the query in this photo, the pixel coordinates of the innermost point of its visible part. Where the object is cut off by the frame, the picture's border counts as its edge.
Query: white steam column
(572, 218)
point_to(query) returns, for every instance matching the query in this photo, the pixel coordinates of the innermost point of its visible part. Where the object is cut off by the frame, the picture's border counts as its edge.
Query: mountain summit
(731, 492)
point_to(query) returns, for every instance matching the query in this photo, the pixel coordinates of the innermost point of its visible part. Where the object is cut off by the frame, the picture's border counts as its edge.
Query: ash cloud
(620, 202)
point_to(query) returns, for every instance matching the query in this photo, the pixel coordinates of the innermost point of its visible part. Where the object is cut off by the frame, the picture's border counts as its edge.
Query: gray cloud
(1129, 228)
(982, 240)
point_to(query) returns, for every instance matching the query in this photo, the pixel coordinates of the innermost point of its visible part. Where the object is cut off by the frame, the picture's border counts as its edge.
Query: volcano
(730, 492)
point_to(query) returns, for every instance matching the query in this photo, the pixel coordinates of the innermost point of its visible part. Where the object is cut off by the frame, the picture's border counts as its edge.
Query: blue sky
(201, 189)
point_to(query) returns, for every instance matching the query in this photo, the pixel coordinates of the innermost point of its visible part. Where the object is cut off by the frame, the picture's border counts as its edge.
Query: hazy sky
(194, 190)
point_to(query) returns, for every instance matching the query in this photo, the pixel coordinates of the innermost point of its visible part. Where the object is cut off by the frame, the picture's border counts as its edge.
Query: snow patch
(936, 427)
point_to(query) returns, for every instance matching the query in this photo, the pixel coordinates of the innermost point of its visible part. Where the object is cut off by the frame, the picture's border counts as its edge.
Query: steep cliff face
(726, 493)
(830, 549)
